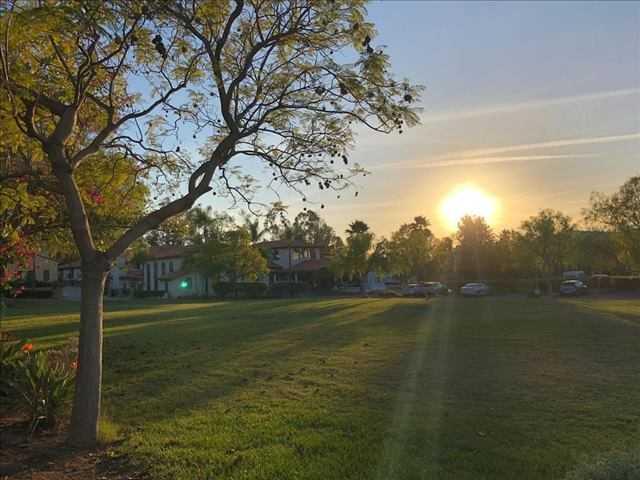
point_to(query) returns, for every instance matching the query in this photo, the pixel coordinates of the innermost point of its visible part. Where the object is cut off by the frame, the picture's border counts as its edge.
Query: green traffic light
(184, 284)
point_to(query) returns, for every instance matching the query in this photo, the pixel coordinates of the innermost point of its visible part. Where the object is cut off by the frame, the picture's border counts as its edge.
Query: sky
(534, 104)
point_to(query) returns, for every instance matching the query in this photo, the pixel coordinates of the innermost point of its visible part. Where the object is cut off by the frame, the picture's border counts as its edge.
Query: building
(39, 268)
(165, 273)
(296, 261)
(123, 279)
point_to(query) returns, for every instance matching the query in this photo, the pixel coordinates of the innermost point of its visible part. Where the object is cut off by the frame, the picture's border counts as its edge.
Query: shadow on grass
(207, 360)
(37, 324)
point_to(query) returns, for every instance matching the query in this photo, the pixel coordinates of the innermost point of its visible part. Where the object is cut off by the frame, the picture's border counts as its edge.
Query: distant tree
(411, 250)
(353, 260)
(357, 226)
(509, 262)
(204, 224)
(309, 227)
(442, 258)
(277, 223)
(620, 213)
(474, 250)
(548, 236)
(253, 226)
(230, 256)
(172, 232)
(597, 252)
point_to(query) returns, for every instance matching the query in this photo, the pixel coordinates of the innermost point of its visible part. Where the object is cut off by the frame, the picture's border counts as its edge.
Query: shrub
(149, 293)
(11, 353)
(224, 289)
(252, 290)
(618, 466)
(44, 381)
(287, 289)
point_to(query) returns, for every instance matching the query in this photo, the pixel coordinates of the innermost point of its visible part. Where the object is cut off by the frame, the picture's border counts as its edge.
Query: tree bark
(86, 401)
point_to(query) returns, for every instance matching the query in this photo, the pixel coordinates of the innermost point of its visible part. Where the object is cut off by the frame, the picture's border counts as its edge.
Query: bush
(240, 289)
(618, 466)
(286, 289)
(43, 381)
(224, 289)
(253, 289)
(149, 293)
(11, 353)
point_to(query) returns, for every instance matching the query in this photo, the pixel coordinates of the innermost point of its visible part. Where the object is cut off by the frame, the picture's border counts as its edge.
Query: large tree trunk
(86, 401)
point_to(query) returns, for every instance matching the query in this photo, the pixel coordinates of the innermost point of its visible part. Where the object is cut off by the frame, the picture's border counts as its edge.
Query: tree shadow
(209, 360)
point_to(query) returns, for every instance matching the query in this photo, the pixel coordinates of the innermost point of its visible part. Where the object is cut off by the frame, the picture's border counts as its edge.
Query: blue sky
(537, 104)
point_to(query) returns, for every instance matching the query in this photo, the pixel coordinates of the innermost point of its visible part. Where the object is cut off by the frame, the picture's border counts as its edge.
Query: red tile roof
(311, 265)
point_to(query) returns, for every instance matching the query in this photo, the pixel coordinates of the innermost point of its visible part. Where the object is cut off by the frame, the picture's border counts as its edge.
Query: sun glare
(467, 200)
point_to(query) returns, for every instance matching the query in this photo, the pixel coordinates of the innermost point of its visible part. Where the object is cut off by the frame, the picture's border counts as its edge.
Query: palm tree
(252, 225)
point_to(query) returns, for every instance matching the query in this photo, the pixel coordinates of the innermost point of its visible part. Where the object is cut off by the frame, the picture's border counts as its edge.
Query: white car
(474, 290)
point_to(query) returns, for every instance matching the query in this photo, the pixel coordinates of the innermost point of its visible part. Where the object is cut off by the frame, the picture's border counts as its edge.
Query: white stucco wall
(197, 286)
(152, 269)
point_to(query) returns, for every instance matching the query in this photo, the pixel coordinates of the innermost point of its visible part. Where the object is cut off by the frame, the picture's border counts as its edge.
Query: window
(45, 275)
(170, 267)
(163, 268)
(155, 275)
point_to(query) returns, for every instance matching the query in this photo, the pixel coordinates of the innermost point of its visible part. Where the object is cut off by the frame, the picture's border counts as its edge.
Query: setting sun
(467, 200)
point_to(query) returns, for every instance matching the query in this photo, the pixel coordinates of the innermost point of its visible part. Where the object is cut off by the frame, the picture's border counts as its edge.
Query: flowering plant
(43, 380)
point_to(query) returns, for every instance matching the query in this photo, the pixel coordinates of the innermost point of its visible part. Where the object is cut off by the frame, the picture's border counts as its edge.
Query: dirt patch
(46, 456)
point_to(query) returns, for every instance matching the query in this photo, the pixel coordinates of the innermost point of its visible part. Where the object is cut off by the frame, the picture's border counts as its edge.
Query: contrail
(568, 142)
(483, 156)
(531, 104)
(479, 161)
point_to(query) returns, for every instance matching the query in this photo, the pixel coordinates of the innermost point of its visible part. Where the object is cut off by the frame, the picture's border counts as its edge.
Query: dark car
(435, 288)
(573, 288)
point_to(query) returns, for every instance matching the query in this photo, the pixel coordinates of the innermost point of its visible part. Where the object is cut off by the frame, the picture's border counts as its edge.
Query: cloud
(531, 104)
(568, 142)
(482, 156)
(479, 161)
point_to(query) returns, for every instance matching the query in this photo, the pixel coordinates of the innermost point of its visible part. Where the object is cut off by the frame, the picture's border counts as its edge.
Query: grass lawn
(364, 388)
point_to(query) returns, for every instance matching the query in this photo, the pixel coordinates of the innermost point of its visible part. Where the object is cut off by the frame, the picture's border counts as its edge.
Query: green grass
(364, 388)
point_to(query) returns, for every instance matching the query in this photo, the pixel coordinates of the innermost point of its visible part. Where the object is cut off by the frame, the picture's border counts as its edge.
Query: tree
(443, 259)
(597, 252)
(252, 225)
(548, 236)
(620, 213)
(258, 80)
(229, 256)
(309, 227)
(205, 225)
(475, 243)
(411, 250)
(357, 257)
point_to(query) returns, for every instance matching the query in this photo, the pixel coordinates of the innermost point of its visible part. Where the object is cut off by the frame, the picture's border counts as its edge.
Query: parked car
(436, 288)
(474, 290)
(573, 288)
(415, 290)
